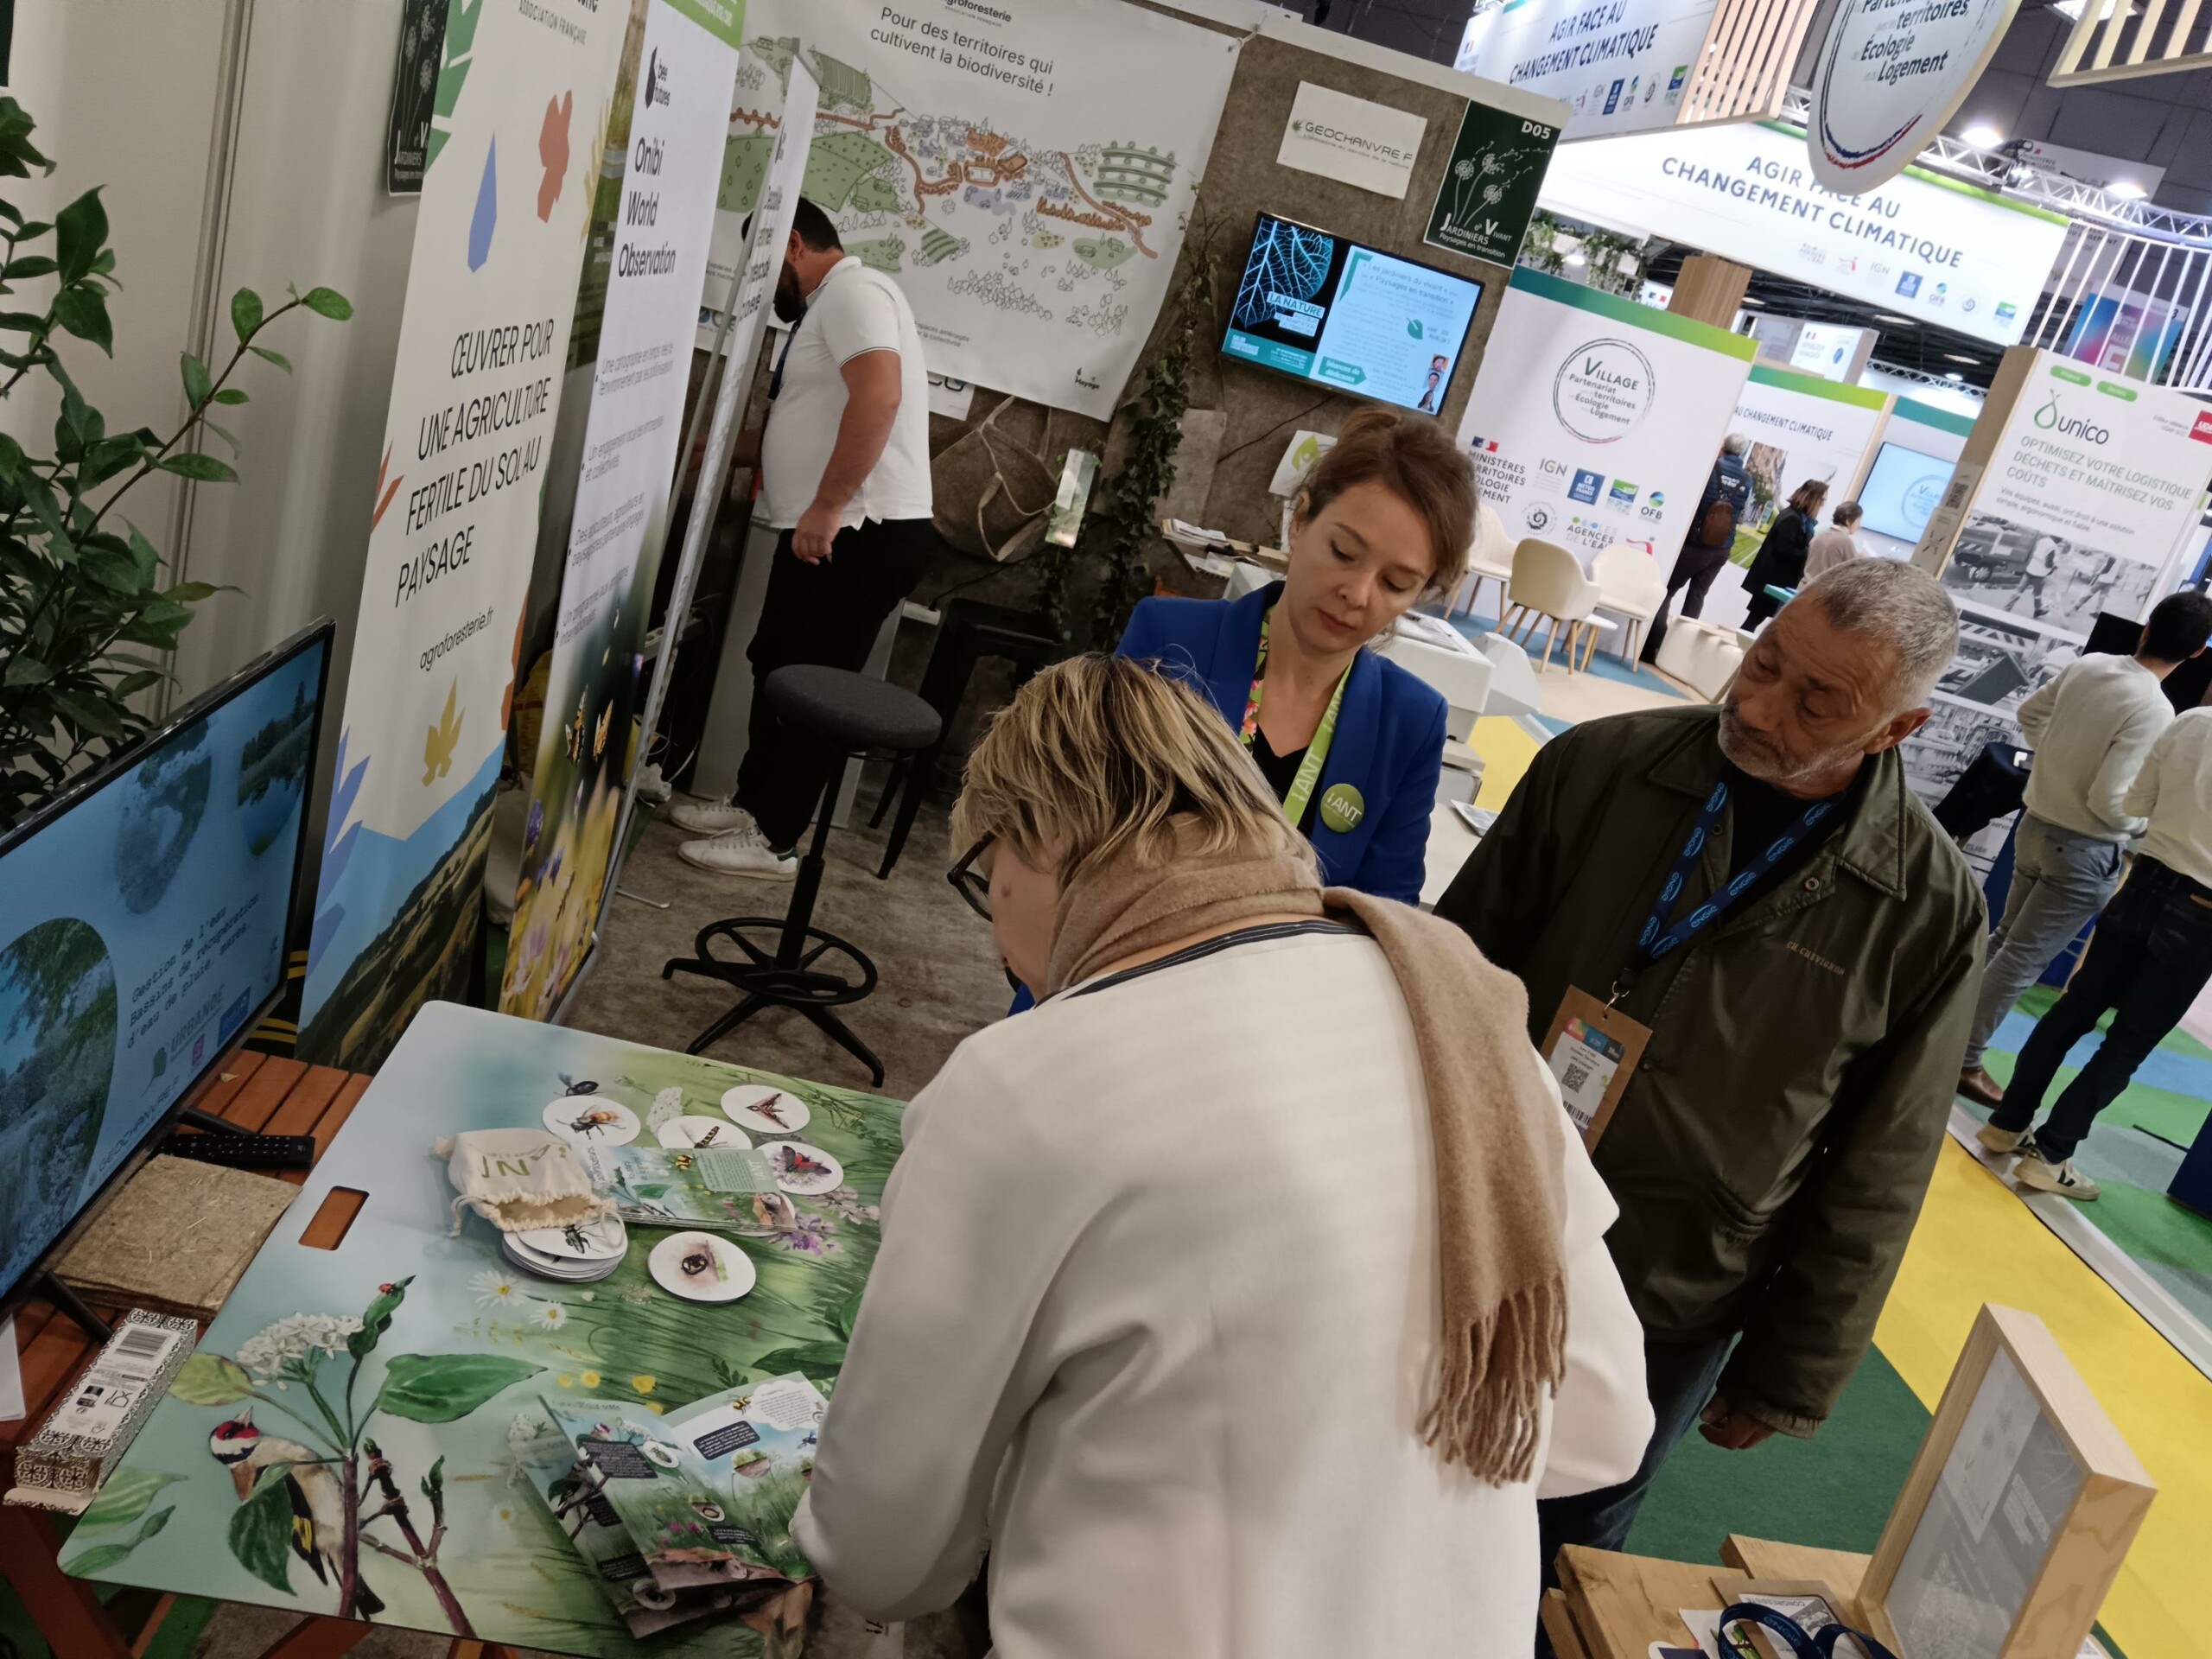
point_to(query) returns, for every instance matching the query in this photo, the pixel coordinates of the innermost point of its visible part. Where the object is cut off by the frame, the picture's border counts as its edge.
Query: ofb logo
(1603, 390)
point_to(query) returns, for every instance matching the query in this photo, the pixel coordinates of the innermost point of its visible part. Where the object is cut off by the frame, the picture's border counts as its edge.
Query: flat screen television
(1323, 309)
(1903, 488)
(144, 915)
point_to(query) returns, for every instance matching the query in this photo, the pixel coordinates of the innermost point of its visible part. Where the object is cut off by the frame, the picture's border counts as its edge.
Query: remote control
(245, 1151)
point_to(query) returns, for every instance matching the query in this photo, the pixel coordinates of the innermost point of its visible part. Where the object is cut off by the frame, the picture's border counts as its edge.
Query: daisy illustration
(494, 1289)
(552, 1316)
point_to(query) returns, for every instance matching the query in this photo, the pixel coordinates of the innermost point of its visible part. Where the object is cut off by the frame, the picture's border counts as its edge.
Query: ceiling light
(2127, 190)
(1982, 135)
(1576, 259)
(1953, 357)
(1891, 316)
(1954, 376)
(1748, 300)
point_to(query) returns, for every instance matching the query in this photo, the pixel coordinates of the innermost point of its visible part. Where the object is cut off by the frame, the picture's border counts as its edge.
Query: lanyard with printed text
(1660, 936)
(1317, 751)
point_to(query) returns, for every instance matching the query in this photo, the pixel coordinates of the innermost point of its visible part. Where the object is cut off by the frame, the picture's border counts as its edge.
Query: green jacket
(1772, 1150)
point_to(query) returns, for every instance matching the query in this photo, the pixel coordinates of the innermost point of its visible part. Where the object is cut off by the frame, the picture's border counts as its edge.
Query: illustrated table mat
(454, 1349)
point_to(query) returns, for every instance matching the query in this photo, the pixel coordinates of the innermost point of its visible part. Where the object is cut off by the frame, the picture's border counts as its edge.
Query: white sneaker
(710, 817)
(742, 852)
(2036, 1171)
(2002, 1141)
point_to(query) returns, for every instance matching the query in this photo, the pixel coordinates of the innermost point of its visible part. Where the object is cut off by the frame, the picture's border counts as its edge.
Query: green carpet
(2174, 1118)
(1833, 1492)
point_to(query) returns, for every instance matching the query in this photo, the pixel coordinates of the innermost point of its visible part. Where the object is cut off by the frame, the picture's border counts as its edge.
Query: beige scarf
(1500, 1187)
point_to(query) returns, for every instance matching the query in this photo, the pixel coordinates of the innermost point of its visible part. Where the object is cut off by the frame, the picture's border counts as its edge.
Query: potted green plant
(79, 585)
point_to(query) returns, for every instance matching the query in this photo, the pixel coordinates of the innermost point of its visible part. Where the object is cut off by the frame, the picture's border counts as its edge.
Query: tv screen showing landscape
(1903, 488)
(142, 926)
(1323, 309)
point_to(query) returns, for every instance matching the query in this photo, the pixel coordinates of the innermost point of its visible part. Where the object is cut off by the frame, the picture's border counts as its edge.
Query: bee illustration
(591, 1123)
(741, 1404)
(813, 1438)
(684, 1161)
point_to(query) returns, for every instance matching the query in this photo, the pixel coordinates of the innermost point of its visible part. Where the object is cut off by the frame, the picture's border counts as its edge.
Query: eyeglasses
(971, 883)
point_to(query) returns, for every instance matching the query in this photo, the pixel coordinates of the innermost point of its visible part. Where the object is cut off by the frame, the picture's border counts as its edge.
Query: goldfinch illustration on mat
(318, 1500)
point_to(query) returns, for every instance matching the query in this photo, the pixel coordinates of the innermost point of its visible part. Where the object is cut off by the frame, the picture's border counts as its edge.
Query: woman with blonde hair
(1243, 1297)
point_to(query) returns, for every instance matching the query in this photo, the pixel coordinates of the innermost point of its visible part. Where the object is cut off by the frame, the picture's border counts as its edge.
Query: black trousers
(1695, 567)
(828, 613)
(2149, 957)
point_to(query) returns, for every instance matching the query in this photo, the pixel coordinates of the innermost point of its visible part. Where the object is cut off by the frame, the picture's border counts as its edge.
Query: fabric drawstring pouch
(519, 1180)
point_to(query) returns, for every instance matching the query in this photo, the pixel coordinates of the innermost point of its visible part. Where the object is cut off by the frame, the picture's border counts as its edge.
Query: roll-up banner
(1023, 169)
(2074, 496)
(513, 160)
(662, 231)
(1596, 420)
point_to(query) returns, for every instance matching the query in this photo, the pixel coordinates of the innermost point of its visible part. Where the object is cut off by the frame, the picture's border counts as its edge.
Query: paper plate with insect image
(597, 1240)
(703, 1131)
(593, 1119)
(805, 1170)
(764, 1110)
(700, 1268)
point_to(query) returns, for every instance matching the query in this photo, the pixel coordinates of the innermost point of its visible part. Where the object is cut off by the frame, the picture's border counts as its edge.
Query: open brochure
(702, 1186)
(683, 1515)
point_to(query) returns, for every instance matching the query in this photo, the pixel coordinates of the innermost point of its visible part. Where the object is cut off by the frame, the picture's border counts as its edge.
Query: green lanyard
(1317, 751)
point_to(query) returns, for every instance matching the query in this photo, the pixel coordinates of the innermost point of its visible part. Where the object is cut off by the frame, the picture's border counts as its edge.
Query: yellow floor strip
(1506, 750)
(1976, 1242)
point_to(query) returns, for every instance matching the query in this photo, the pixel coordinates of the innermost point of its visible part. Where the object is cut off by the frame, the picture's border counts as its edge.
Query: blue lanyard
(1659, 937)
(1801, 1644)
(776, 374)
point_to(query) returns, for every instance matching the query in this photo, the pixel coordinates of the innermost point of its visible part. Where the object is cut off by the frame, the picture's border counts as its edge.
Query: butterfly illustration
(798, 1163)
(767, 1108)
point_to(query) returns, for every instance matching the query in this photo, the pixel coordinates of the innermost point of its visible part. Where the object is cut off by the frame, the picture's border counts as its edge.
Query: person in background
(2151, 955)
(1836, 544)
(1807, 986)
(1712, 538)
(2090, 728)
(2042, 565)
(1781, 560)
(1349, 741)
(845, 477)
(1122, 1327)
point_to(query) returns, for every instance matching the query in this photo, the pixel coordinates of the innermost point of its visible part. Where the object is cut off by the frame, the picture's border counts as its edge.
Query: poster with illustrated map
(1023, 169)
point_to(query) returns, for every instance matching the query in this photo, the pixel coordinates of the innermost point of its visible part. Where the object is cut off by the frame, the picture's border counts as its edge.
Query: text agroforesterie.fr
(481, 351)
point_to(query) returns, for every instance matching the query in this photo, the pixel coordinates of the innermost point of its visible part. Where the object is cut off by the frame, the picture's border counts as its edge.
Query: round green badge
(1342, 808)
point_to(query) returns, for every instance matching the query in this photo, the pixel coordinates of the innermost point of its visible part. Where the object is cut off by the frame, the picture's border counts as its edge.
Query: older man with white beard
(1751, 894)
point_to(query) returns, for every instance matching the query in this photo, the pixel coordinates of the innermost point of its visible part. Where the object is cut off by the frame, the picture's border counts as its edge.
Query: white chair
(1702, 657)
(1547, 586)
(1633, 588)
(1513, 688)
(1489, 558)
(1462, 677)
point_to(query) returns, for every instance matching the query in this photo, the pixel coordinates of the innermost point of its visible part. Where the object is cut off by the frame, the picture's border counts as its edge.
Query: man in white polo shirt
(2090, 728)
(845, 476)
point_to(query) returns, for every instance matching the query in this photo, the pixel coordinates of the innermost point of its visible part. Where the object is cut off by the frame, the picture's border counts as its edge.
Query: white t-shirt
(853, 309)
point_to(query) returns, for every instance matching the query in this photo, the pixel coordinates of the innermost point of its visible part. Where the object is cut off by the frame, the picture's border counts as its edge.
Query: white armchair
(1632, 587)
(1490, 559)
(1547, 586)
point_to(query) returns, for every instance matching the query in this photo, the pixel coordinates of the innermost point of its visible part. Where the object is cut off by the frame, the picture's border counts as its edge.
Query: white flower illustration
(552, 1316)
(494, 1290)
(284, 1347)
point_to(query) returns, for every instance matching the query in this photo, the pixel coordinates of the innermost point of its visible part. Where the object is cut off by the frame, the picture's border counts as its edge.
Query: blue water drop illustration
(487, 209)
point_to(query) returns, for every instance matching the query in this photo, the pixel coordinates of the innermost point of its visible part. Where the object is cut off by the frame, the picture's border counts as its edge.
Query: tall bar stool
(970, 631)
(854, 715)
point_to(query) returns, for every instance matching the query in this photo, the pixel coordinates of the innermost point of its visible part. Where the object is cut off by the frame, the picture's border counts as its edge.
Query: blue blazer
(1388, 746)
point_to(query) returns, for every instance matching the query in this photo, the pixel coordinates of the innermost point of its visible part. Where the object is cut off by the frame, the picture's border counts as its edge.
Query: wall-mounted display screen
(1324, 308)
(143, 921)
(1903, 487)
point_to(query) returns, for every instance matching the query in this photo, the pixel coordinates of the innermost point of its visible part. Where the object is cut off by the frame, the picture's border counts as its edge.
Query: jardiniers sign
(1890, 73)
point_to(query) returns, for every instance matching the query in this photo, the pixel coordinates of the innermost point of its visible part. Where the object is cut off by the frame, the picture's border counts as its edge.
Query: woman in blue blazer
(1351, 743)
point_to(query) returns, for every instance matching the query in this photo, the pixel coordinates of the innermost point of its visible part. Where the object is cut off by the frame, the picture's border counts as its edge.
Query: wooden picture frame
(2021, 1479)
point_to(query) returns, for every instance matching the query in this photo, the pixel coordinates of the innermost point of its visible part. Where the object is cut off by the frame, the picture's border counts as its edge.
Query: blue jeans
(1679, 1376)
(2059, 880)
(2149, 957)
